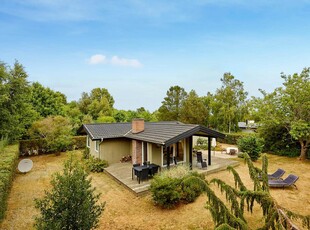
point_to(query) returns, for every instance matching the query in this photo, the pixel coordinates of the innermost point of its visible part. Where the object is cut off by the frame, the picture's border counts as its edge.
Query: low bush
(192, 187)
(176, 185)
(86, 153)
(96, 164)
(8, 162)
(79, 142)
(251, 145)
(166, 191)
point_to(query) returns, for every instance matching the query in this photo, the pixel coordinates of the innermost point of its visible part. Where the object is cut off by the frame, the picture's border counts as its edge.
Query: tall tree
(46, 101)
(171, 106)
(229, 105)
(289, 107)
(193, 110)
(98, 103)
(16, 112)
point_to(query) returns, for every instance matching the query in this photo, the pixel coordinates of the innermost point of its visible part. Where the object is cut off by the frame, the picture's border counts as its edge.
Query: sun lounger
(275, 176)
(287, 182)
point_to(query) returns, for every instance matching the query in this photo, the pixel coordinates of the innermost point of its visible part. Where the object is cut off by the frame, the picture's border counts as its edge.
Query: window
(88, 141)
(97, 146)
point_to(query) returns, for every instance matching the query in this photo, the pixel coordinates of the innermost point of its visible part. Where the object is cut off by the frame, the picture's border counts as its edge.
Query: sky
(138, 49)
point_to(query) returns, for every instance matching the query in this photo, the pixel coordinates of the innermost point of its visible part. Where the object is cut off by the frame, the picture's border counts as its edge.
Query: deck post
(190, 152)
(209, 150)
(168, 156)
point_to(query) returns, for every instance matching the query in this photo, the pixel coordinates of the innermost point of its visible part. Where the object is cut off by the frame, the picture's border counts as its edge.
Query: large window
(97, 146)
(176, 153)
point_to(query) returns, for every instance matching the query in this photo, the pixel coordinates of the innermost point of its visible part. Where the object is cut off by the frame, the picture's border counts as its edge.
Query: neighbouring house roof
(163, 133)
(245, 125)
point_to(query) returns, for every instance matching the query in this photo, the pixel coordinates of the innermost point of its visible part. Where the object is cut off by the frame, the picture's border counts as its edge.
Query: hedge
(8, 163)
(38, 146)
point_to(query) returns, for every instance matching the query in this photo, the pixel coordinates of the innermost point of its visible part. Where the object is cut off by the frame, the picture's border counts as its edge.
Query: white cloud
(97, 59)
(115, 60)
(125, 62)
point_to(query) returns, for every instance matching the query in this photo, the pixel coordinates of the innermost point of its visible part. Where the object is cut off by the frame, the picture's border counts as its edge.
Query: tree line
(283, 115)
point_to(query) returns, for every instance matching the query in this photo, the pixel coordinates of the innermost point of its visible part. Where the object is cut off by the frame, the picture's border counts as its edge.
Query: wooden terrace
(122, 172)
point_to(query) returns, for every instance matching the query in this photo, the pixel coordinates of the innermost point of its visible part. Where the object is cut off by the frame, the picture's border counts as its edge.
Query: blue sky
(138, 49)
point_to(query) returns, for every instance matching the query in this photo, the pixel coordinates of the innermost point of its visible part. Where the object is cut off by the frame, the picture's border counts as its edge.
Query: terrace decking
(121, 172)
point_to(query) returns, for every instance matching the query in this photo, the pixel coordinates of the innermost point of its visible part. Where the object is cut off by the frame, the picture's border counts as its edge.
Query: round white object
(25, 165)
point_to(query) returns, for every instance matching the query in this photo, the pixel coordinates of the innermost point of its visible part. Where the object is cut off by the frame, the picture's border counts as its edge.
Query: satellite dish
(25, 165)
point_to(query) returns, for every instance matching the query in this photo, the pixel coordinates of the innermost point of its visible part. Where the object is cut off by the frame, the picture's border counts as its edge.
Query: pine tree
(71, 204)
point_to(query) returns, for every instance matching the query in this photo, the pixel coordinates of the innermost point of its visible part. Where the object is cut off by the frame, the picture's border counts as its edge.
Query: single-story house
(156, 142)
(249, 126)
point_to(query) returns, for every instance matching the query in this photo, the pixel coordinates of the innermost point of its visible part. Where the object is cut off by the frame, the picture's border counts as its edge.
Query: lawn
(126, 211)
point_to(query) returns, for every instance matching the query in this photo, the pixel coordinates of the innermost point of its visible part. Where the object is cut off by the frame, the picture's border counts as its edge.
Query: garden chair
(133, 171)
(143, 175)
(154, 170)
(276, 175)
(200, 160)
(287, 182)
(175, 161)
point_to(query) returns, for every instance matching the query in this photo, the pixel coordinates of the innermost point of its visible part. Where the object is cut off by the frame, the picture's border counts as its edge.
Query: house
(249, 126)
(156, 142)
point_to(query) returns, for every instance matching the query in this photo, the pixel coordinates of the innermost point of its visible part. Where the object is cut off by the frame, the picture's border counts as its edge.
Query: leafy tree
(55, 130)
(105, 119)
(72, 111)
(229, 105)
(72, 202)
(230, 214)
(208, 101)
(193, 110)
(170, 110)
(289, 107)
(98, 103)
(251, 145)
(120, 116)
(46, 101)
(16, 112)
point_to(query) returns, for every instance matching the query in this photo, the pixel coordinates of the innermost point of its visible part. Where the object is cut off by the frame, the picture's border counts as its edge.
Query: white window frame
(88, 141)
(97, 146)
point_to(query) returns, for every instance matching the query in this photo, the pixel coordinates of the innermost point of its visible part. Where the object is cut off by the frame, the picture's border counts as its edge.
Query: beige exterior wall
(156, 155)
(113, 150)
(92, 146)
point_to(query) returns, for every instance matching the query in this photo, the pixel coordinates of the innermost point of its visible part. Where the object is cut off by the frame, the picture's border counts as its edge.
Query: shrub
(86, 153)
(176, 185)
(251, 145)
(192, 187)
(78, 142)
(71, 204)
(8, 162)
(96, 164)
(166, 191)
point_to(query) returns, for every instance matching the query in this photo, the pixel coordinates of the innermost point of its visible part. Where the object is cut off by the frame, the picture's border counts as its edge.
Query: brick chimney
(137, 125)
